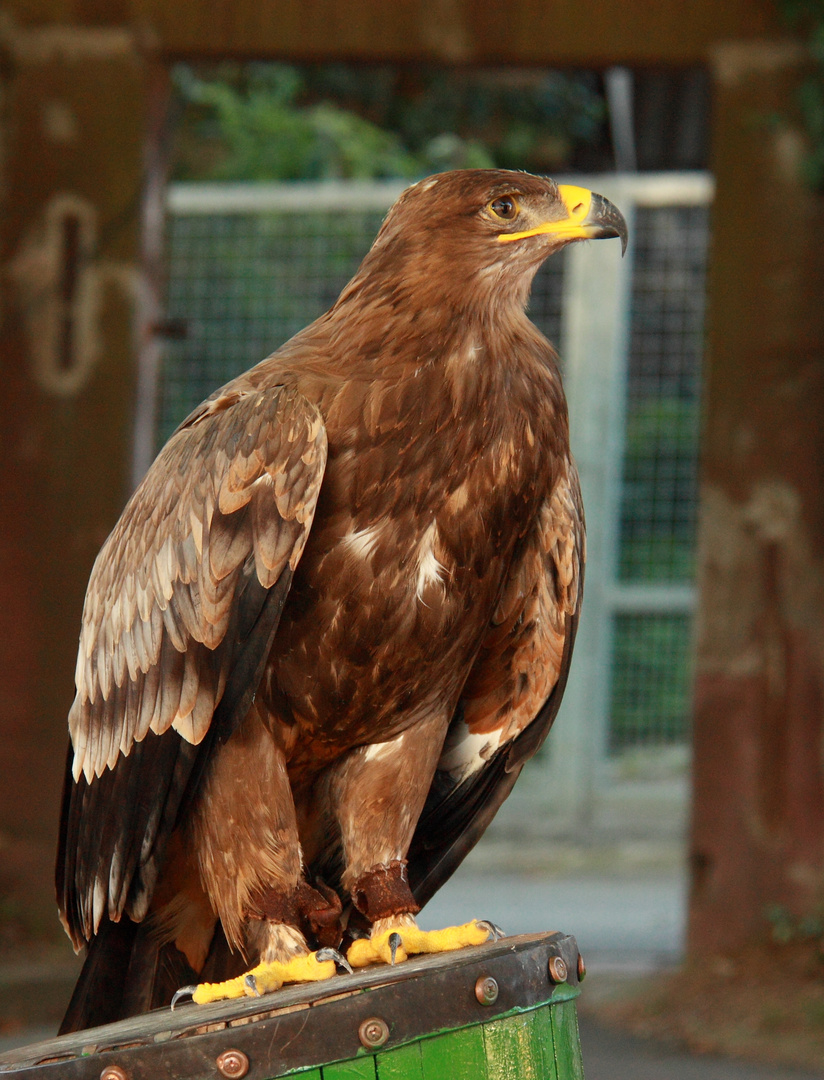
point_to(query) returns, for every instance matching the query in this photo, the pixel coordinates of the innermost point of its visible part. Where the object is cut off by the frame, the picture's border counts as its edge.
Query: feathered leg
(378, 793)
(244, 834)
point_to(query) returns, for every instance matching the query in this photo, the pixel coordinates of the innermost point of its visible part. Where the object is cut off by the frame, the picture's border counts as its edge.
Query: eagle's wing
(181, 609)
(512, 694)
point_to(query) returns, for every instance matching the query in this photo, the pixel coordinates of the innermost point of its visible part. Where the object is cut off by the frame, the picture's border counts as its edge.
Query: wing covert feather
(181, 609)
(232, 487)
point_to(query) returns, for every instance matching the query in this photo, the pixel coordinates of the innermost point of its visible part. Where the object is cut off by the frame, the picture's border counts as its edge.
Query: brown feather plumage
(284, 657)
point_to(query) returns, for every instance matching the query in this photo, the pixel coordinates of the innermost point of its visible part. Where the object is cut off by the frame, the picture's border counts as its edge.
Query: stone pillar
(758, 819)
(73, 131)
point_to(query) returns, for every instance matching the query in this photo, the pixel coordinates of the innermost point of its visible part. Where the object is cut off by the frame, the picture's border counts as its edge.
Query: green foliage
(786, 927)
(657, 523)
(652, 671)
(279, 122)
(807, 16)
(265, 135)
(811, 103)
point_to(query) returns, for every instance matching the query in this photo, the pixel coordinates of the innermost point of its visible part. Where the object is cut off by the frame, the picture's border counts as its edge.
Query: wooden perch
(494, 1012)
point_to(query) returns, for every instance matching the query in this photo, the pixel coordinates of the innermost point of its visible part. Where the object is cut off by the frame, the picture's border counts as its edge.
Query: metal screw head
(233, 1064)
(582, 968)
(373, 1032)
(114, 1072)
(557, 969)
(486, 990)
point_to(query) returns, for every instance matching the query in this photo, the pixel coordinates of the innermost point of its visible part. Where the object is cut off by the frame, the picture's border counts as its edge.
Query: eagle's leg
(384, 896)
(284, 956)
(378, 793)
(244, 832)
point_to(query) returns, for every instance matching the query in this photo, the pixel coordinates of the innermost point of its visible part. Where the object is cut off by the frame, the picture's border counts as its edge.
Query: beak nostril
(578, 209)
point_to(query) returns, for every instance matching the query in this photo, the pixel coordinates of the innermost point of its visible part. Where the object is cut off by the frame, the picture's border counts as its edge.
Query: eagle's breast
(402, 572)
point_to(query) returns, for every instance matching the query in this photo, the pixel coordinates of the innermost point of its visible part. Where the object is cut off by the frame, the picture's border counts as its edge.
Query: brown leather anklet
(316, 912)
(384, 891)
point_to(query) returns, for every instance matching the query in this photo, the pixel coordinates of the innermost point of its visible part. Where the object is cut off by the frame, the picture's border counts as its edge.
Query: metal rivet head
(557, 969)
(114, 1072)
(582, 968)
(373, 1032)
(486, 990)
(232, 1064)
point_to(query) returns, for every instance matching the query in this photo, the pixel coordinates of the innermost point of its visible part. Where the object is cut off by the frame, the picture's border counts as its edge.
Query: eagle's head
(483, 232)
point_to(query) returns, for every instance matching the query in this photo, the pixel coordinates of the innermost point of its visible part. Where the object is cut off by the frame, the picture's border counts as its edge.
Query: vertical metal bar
(151, 298)
(618, 82)
(595, 335)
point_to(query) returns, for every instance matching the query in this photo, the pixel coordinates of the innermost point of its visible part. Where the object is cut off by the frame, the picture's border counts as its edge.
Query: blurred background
(185, 188)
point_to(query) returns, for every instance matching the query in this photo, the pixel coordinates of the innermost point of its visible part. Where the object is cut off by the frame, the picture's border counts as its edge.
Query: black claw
(251, 982)
(183, 992)
(495, 932)
(395, 942)
(333, 954)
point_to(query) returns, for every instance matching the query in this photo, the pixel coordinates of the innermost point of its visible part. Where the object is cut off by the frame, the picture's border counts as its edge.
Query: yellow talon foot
(394, 945)
(263, 979)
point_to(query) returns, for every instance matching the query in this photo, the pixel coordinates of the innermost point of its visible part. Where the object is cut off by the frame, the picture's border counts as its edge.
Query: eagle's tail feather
(126, 972)
(98, 994)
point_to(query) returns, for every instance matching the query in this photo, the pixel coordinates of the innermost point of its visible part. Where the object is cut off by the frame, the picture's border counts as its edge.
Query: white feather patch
(430, 570)
(380, 750)
(98, 902)
(362, 542)
(466, 753)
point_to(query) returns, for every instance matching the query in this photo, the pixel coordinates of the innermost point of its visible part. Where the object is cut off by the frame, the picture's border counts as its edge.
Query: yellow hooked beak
(589, 217)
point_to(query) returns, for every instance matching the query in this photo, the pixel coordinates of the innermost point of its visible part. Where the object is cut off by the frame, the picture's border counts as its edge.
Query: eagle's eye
(504, 207)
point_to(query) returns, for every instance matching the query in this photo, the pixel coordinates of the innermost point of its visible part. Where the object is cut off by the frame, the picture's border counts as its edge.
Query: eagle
(333, 622)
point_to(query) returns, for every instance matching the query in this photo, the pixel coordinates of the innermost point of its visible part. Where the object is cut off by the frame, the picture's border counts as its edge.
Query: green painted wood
(513, 1048)
(567, 1041)
(542, 1044)
(402, 1063)
(355, 1069)
(456, 1055)
(545, 1038)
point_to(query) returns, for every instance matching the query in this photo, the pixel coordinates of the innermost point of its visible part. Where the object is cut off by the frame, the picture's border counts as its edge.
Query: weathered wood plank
(402, 1063)
(513, 1048)
(591, 33)
(758, 817)
(457, 1055)
(545, 1038)
(567, 1042)
(74, 133)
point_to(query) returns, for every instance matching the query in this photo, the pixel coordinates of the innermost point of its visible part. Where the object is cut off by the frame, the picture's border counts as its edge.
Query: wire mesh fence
(658, 491)
(246, 272)
(651, 669)
(242, 283)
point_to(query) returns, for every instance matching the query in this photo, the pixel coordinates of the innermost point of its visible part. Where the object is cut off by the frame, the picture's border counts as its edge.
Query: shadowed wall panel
(553, 32)
(74, 133)
(758, 834)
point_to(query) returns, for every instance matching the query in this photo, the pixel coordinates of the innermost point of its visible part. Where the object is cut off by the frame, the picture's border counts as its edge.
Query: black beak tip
(608, 220)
